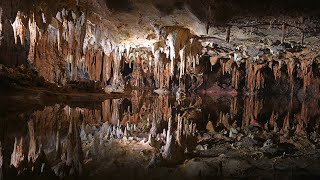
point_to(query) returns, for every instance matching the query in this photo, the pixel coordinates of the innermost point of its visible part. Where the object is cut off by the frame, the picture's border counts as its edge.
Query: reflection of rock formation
(288, 122)
(62, 132)
(32, 156)
(74, 154)
(17, 155)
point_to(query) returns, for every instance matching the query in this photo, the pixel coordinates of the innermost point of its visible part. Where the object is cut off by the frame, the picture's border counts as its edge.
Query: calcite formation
(74, 45)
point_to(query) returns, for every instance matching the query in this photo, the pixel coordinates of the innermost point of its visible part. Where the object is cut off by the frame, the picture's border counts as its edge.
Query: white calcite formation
(19, 29)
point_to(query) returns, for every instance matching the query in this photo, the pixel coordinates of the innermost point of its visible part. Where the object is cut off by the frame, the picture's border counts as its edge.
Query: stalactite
(182, 61)
(34, 35)
(290, 68)
(227, 66)
(306, 73)
(107, 63)
(214, 60)
(98, 65)
(235, 77)
(18, 28)
(277, 71)
(254, 76)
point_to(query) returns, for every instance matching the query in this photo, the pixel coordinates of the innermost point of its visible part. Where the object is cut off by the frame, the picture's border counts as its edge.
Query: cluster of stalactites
(254, 67)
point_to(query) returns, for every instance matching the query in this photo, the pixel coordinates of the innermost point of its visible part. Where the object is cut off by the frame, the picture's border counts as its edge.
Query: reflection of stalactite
(106, 110)
(224, 120)
(32, 144)
(167, 149)
(179, 133)
(252, 108)
(234, 107)
(17, 155)
(286, 125)
(74, 156)
(303, 120)
(115, 111)
(273, 121)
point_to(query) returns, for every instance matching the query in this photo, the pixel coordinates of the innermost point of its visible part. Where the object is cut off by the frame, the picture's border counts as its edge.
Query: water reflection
(63, 140)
